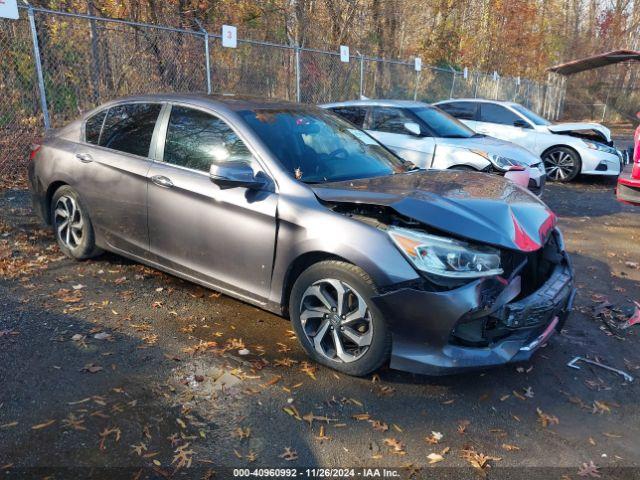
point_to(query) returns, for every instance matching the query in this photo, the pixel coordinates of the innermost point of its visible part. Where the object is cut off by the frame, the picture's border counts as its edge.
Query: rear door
(113, 162)
(387, 125)
(225, 237)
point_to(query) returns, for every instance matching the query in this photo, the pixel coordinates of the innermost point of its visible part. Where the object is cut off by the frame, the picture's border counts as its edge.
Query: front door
(499, 122)
(387, 125)
(225, 237)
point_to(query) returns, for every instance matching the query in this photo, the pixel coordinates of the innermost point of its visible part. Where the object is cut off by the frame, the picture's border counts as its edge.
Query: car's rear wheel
(72, 225)
(335, 320)
(561, 164)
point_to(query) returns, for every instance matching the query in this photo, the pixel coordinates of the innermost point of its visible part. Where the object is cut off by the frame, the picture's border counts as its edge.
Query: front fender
(303, 231)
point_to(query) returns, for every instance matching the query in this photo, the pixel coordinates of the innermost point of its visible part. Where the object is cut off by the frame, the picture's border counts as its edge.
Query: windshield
(442, 124)
(315, 146)
(534, 117)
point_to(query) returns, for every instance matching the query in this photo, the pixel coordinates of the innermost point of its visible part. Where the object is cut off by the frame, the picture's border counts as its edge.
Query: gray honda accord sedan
(292, 209)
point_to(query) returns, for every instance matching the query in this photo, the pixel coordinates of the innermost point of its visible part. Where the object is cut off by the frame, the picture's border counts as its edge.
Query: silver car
(430, 138)
(290, 208)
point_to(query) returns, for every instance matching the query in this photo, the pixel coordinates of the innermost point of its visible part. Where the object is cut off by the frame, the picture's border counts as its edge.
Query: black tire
(379, 349)
(562, 164)
(82, 240)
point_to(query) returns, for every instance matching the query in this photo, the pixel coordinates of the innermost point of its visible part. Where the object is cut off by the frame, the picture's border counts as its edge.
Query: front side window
(354, 115)
(492, 113)
(129, 128)
(442, 124)
(460, 110)
(93, 127)
(390, 120)
(196, 139)
(315, 146)
(534, 117)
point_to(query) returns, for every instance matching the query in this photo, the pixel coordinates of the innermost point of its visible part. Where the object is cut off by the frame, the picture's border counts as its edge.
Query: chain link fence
(55, 65)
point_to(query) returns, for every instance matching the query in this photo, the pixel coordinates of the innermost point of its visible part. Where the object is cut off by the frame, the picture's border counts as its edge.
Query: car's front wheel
(561, 164)
(335, 320)
(72, 225)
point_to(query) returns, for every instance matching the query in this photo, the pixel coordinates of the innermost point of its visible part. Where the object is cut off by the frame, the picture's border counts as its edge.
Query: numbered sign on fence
(229, 36)
(418, 64)
(9, 9)
(344, 53)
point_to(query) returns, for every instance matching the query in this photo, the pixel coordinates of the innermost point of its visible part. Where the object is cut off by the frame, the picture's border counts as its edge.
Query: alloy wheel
(336, 320)
(68, 221)
(559, 165)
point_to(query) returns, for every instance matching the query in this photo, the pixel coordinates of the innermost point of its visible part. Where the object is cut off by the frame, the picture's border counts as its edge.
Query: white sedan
(567, 149)
(429, 138)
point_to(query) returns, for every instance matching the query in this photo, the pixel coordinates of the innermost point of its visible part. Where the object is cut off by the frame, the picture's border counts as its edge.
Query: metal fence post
(415, 91)
(361, 76)
(38, 63)
(207, 59)
(453, 83)
(298, 93)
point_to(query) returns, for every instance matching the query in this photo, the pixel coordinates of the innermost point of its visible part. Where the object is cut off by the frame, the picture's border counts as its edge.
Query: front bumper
(595, 162)
(628, 189)
(423, 323)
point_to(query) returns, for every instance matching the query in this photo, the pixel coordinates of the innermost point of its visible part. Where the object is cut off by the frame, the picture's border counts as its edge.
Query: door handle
(162, 181)
(84, 157)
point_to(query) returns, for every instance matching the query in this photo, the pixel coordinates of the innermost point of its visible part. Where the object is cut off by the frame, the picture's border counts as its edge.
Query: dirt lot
(110, 369)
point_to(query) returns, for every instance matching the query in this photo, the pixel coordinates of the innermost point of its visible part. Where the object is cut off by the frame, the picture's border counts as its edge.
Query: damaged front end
(446, 325)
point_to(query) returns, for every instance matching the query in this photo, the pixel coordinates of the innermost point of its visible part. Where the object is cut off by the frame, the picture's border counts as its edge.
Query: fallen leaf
(589, 470)
(289, 454)
(40, 426)
(435, 458)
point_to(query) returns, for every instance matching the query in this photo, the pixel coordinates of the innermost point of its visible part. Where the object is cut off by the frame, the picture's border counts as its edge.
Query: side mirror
(521, 124)
(234, 174)
(413, 128)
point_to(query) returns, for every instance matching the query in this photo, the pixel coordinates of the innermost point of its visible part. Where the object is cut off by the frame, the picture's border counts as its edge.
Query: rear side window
(93, 127)
(354, 115)
(492, 113)
(460, 110)
(129, 128)
(196, 139)
(390, 120)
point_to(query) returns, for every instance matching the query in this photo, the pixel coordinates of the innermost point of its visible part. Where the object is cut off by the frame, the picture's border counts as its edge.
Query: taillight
(35, 148)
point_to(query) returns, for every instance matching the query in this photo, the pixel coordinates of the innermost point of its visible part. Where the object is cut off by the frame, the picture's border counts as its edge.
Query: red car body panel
(628, 188)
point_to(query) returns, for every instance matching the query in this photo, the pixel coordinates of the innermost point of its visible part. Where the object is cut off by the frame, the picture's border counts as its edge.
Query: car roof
(478, 100)
(376, 103)
(230, 102)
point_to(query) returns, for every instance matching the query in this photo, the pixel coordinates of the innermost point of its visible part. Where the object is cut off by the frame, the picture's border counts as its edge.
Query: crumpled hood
(491, 145)
(476, 206)
(568, 127)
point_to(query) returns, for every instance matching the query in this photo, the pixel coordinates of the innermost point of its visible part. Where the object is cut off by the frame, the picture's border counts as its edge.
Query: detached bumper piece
(486, 323)
(628, 189)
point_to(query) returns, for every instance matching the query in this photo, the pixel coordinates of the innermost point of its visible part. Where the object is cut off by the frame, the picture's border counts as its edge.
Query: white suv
(567, 149)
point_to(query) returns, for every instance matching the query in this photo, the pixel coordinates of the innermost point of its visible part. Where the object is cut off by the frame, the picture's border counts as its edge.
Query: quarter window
(354, 115)
(93, 127)
(129, 128)
(196, 139)
(390, 120)
(492, 113)
(460, 110)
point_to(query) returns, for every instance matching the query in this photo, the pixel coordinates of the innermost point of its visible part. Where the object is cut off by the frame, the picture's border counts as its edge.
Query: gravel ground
(109, 369)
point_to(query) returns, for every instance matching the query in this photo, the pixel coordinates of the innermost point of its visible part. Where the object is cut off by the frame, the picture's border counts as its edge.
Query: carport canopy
(596, 61)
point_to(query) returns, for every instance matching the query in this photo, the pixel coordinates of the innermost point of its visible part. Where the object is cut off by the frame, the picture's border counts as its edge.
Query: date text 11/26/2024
(317, 473)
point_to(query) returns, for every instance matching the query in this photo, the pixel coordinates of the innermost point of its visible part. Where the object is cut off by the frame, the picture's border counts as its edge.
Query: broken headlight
(499, 162)
(600, 147)
(444, 256)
